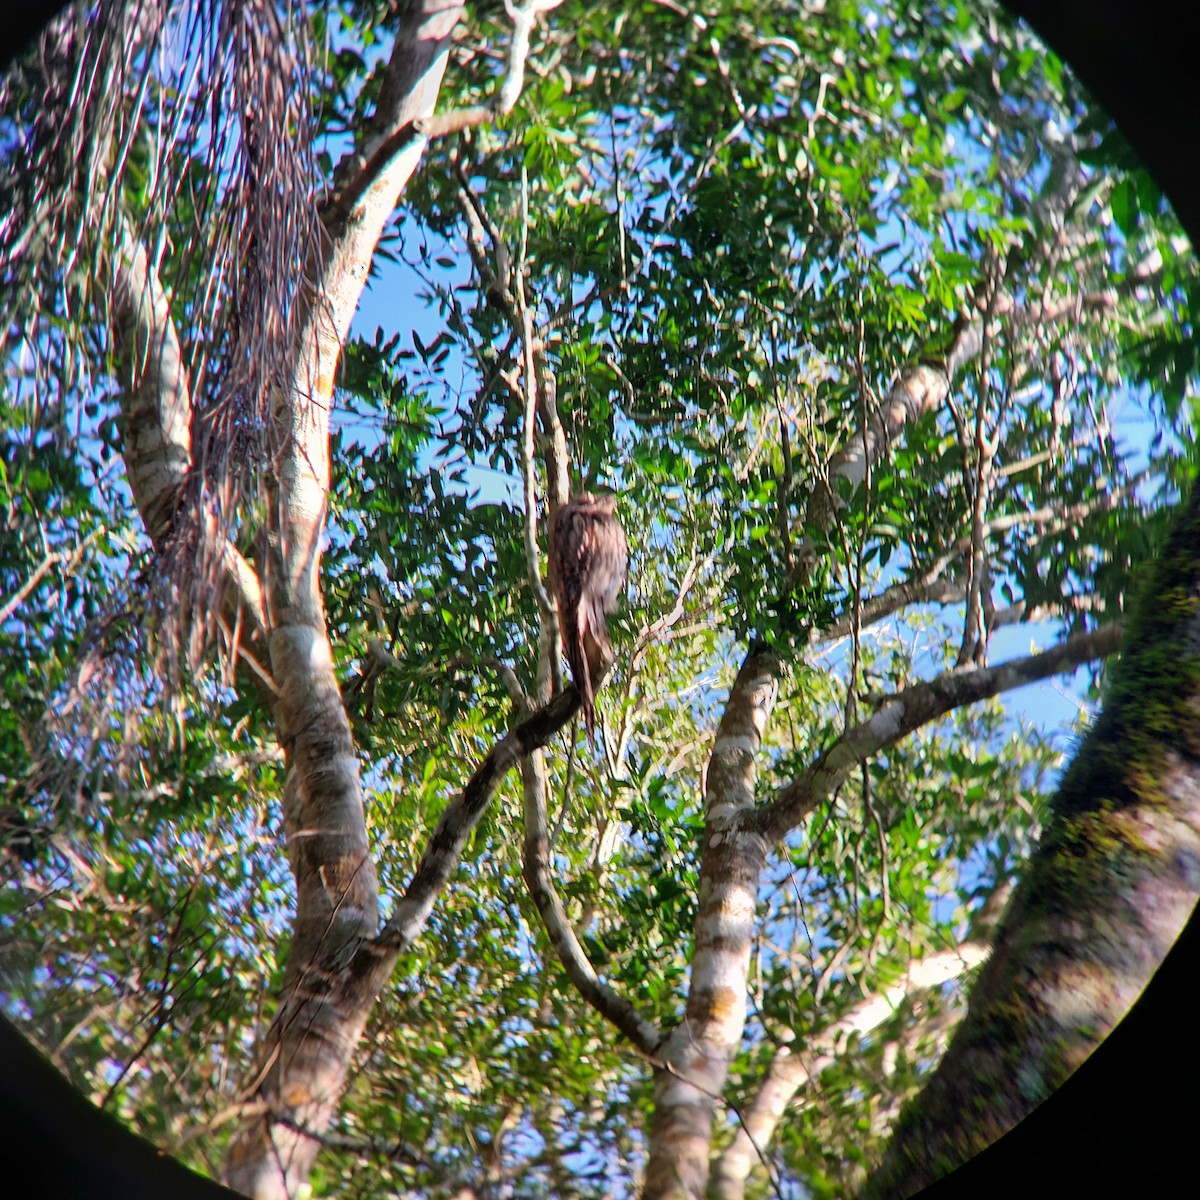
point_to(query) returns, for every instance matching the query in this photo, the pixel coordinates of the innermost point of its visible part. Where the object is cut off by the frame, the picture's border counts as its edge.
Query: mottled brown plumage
(588, 561)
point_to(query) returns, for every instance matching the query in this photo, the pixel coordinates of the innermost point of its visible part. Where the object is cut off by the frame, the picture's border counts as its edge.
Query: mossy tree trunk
(1107, 893)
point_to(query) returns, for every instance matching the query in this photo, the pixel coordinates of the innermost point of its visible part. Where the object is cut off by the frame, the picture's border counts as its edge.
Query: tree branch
(358, 172)
(48, 563)
(156, 402)
(922, 386)
(907, 711)
(930, 586)
(612, 1006)
(462, 814)
(548, 631)
(156, 406)
(410, 86)
(790, 1070)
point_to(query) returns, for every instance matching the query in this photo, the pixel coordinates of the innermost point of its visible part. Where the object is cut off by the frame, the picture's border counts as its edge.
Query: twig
(547, 623)
(52, 559)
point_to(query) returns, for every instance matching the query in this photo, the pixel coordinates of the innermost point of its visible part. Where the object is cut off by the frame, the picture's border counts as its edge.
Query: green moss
(1153, 699)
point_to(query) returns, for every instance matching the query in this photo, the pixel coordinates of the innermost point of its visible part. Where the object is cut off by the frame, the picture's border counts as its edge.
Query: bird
(589, 562)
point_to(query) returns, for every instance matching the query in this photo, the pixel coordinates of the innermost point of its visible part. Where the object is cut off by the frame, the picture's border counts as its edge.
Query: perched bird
(589, 558)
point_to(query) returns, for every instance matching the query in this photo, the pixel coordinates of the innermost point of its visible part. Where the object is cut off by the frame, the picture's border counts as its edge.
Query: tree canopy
(313, 319)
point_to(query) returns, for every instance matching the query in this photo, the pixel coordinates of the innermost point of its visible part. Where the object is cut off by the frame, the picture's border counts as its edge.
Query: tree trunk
(1106, 894)
(696, 1057)
(305, 1056)
(791, 1070)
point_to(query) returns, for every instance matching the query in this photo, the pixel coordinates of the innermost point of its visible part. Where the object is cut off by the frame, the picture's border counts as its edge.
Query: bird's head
(605, 502)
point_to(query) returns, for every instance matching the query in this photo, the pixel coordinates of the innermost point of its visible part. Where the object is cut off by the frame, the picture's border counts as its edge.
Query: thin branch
(930, 586)
(615, 1008)
(791, 1069)
(666, 621)
(923, 385)
(23, 593)
(48, 563)
(548, 631)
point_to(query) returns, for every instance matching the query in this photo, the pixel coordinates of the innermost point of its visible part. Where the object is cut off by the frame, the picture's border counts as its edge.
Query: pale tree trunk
(694, 1061)
(1107, 893)
(305, 1055)
(329, 984)
(739, 835)
(696, 1057)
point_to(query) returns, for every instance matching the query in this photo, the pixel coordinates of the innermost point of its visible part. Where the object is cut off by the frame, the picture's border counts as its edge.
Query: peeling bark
(1108, 891)
(695, 1059)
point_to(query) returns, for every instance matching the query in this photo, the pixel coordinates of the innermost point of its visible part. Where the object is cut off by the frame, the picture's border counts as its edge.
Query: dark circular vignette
(22, 21)
(1117, 1125)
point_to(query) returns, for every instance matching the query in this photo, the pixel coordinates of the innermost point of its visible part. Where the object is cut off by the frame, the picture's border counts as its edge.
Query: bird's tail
(597, 658)
(582, 674)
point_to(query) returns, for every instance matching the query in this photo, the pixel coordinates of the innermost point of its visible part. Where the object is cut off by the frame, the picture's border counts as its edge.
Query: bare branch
(666, 621)
(23, 593)
(922, 386)
(409, 92)
(924, 590)
(548, 632)
(909, 710)
(1021, 613)
(919, 388)
(929, 588)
